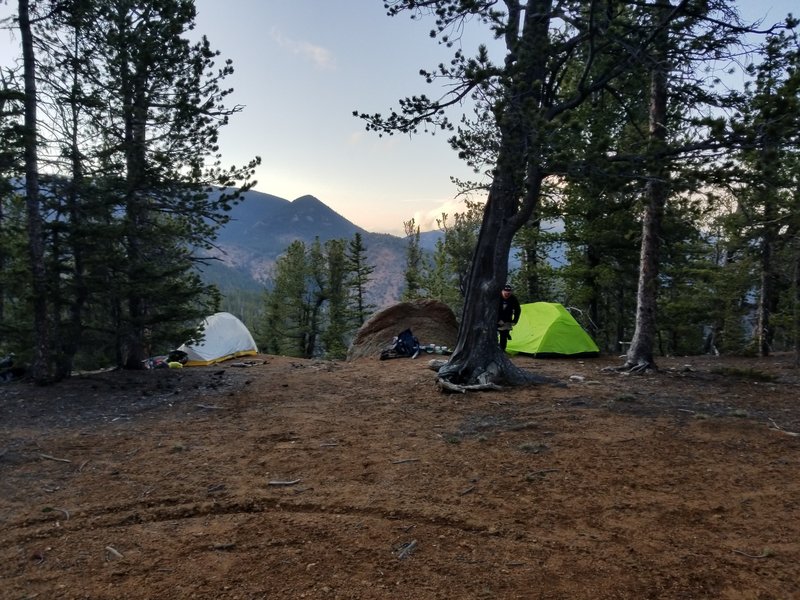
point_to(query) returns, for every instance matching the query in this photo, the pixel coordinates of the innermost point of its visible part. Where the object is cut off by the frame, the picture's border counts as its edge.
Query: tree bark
(640, 351)
(513, 197)
(40, 366)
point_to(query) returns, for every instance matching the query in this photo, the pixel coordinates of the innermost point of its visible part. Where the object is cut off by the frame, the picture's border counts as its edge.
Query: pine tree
(165, 109)
(137, 191)
(41, 371)
(415, 263)
(359, 271)
(770, 121)
(338, 325)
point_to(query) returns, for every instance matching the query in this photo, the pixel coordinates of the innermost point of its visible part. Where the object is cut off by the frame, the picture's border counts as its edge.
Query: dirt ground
(304, 479)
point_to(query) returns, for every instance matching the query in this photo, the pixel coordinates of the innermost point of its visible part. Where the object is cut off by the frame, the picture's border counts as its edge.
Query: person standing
(508, 316)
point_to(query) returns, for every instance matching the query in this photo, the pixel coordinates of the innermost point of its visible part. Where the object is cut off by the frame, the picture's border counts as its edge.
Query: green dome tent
(546, 329)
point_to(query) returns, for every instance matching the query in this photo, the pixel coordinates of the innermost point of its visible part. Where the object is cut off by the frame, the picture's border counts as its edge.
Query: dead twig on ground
(404, 460)
(533, 474)
(405, 550)
(211, 407)
(113, 552)
(55, 458)
(782, 430)
(227, 546)
(276, 482)
(765, 554)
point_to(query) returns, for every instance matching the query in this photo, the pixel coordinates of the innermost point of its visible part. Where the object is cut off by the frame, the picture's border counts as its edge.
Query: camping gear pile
(406, 345)
(403, 345)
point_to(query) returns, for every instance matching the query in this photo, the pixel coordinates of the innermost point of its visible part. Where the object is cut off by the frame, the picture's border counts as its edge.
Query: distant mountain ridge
(262, 226)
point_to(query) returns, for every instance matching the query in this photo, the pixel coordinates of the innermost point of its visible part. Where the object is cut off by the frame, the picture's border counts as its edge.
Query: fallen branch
(64, 511)
(55, 458)
(466, 491)
(404, 460)
(211, 407)
(114, 552)
(782, 430)
(278, 482)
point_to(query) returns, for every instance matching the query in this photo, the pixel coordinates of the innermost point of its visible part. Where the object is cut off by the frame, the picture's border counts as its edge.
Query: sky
(303, 66)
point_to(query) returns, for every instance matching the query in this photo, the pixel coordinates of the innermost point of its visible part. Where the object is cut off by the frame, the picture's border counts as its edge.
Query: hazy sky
(302, 68)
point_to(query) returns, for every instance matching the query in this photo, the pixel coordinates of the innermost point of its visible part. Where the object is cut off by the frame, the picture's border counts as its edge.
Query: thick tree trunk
(513, 197)
(477, 358)
(40, 367)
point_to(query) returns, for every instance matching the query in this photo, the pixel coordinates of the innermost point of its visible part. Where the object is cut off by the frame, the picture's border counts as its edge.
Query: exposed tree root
(460, 377)
(633, 368)
(446, 386)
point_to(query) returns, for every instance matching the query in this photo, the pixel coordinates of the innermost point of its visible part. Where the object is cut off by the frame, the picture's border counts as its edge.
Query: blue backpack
(404, 345)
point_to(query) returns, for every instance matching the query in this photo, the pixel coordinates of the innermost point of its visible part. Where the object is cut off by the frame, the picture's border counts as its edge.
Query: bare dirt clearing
(305, 479)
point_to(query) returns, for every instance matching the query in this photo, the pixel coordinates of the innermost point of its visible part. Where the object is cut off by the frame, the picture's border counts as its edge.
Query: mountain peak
(307, 199)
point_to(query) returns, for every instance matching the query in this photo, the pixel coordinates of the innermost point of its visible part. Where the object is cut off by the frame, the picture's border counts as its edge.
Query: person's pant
(505, 335)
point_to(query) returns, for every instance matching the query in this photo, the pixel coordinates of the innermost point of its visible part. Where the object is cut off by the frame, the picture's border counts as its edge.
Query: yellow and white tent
(224, 337)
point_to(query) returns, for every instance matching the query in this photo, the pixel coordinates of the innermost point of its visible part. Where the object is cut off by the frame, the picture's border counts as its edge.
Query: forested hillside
(261, 228)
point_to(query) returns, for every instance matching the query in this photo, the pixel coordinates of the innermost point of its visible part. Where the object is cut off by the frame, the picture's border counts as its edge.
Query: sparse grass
(533, 447)
(748, 373)
(625, 398)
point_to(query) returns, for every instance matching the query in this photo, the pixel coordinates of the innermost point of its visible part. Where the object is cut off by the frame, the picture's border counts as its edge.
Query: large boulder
(431, 321)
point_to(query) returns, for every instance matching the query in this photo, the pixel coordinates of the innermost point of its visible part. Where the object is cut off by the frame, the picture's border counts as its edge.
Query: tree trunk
(768, 288)
(40, 367)
(767, 300)
(136, 106)
(640, 352)
(514, 195)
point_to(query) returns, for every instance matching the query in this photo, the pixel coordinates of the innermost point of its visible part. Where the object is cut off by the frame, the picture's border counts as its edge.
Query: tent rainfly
(546, 329)
(224, 337)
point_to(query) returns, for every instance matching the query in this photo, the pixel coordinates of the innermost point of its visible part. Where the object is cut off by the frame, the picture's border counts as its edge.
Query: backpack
(404, 345)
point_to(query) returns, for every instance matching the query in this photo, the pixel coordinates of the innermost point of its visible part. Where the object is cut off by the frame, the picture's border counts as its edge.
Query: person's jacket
(509, 309)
